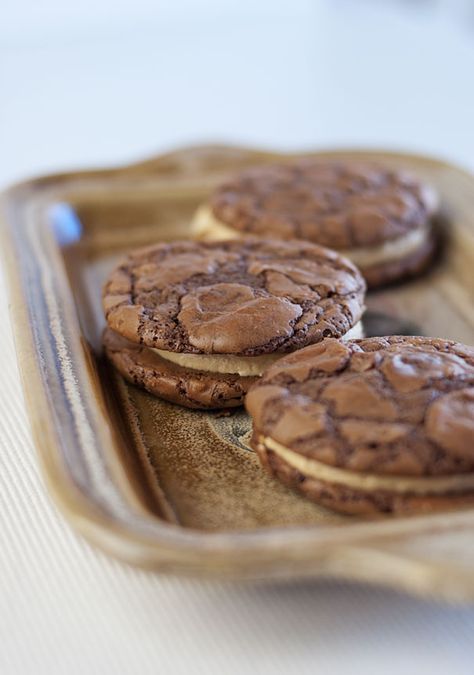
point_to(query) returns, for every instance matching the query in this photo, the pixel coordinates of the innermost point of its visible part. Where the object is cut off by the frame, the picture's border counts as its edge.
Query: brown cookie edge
(411, 266)
(190, 388)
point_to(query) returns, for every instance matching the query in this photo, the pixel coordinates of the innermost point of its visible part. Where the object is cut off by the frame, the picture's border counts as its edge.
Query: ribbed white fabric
(65, 608)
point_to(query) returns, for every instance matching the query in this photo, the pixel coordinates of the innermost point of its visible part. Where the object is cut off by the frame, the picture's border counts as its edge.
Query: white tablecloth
(83, 86)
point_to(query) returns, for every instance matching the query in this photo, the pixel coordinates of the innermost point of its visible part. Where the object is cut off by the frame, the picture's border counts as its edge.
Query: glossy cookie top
(336, 204)
(246, 297)
(390, 405)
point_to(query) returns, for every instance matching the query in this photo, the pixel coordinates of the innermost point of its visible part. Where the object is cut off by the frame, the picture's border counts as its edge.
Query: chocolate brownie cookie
(377, 216)
(373, 425)
(197, 322)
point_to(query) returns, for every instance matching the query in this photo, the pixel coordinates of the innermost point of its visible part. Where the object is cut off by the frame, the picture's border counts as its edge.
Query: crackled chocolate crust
(244, 297)
(185, 386)
(393, 406)
(341, 205)
(404, 268)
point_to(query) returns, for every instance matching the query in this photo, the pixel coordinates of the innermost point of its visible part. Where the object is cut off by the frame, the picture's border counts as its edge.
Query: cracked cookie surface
(245, 297)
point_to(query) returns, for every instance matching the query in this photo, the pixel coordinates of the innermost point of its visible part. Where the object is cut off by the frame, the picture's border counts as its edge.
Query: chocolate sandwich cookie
(373, 425)
(197, 322)
(379, 217)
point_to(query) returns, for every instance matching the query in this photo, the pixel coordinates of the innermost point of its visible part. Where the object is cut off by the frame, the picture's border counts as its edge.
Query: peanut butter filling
(226, 364)
(369, 482)
(245, 366)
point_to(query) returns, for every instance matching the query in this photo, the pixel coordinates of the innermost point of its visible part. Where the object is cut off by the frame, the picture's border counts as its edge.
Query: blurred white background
(94, 83)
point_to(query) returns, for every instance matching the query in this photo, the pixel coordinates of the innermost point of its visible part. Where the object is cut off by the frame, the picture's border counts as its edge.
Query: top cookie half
(371, 213)
(244, 297)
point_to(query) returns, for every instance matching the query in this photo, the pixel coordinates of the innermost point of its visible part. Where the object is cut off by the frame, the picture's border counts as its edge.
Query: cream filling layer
(245, 366)
(369, 482)
(206, 226)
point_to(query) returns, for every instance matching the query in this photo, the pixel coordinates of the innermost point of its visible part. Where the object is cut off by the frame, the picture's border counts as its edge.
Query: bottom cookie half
(350, 501)
(185, 386)
(403, 268)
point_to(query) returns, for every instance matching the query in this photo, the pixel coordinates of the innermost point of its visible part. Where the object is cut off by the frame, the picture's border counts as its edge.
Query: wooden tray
(180, 491)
